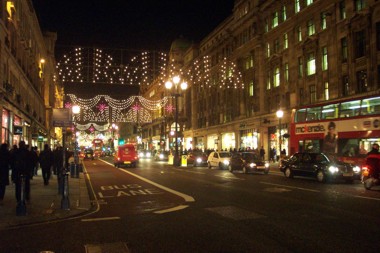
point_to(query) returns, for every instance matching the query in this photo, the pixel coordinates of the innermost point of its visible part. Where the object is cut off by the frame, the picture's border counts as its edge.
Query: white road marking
(186, 197)
(177, 208)
(230, 177)
(101, 219)
(361, 197)
(291, 187)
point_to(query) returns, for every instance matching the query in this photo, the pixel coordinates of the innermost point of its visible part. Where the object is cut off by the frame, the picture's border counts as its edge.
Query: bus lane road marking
(136, 189)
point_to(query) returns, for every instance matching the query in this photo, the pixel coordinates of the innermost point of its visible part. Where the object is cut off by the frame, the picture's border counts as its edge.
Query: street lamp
(279, 115)
(169, 85)
(114, 128)
(75, 110)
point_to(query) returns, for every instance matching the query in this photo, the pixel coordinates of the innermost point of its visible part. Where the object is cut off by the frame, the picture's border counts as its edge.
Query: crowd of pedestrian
(21, 163)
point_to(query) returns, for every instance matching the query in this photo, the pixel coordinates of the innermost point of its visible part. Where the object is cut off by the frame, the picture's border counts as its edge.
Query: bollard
(65, 202)
(21, 206)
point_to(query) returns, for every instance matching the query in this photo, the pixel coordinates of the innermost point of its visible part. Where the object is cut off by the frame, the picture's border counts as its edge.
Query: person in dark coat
(22, 164)
(46, 162)
(5, 164)
(34, 161)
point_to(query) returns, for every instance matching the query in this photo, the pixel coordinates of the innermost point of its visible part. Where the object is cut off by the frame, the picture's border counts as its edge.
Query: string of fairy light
(102, 68)
(103, 108)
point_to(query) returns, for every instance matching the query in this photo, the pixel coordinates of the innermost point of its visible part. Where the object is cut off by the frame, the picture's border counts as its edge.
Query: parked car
(197, 158)
(88, 154)
(320, 166)
(248, 162)
(126, 155)
(162, 156)
(145, 154)
(219, 159)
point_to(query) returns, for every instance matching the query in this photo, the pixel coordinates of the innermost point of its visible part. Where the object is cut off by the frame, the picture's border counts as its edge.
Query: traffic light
(121, 142)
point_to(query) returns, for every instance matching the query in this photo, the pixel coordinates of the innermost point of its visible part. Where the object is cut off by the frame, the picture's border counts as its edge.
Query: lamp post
(114, 128)
(169, 85)
(75, 110)
(279, 115)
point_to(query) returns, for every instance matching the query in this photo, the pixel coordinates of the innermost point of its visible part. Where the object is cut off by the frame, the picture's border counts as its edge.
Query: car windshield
(225, 154)
(252, 156)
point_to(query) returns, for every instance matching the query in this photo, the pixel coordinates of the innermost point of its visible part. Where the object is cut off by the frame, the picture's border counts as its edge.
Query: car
(88, 154)
(321, 166)
(219, 159)
(145, 154)
(126, 155)
(161, 156)
(197, 158)
(248, 162)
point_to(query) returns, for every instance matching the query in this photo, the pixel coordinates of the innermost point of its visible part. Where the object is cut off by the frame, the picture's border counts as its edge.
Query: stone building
(271, 55)
(29, 88)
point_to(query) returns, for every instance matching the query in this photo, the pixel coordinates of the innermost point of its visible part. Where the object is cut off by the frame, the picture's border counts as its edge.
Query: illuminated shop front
(5, 126)
(249, 139)
(17, 130)
(228, 141)
(188, 144)
(212, 142)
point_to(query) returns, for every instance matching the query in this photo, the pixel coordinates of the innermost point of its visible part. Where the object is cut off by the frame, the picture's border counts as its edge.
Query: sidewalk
(45, 202)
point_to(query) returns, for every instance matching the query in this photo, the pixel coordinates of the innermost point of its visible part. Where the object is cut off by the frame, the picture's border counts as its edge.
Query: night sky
(130, 24)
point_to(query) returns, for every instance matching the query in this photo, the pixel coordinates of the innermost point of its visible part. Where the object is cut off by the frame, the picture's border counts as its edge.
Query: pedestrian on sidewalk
(5, 163)
(262, 153)
(46, 162)
(22, 164)
(34, 162)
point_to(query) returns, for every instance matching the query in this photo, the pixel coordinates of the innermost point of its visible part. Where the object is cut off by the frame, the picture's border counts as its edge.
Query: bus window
(309, 146)
(330, 111)
(300, 115)
(313, 113)
(348, 147)
(349, 109)
(370, 106)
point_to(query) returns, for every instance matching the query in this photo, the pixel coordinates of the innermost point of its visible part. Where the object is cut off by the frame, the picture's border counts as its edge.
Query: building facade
(29, 87)
(272, 55)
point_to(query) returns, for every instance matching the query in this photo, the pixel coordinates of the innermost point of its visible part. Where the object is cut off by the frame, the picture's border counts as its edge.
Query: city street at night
(160, 208)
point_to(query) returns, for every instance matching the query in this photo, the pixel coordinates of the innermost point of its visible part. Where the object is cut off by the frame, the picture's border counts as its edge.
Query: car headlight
(266, 165)
(226, 162)
(148, 155)
(141, 154)
(356, 169)
(333, 169)
(199, 160)
(252, 165)
(161, 156)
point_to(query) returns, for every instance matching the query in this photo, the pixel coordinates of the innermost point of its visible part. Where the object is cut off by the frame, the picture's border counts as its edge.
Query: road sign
(61, 117)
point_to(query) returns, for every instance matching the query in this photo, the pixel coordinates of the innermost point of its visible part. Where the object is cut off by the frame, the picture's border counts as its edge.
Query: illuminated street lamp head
(42, 61)
(280, 114)
(176, 80)
(183, 85)
(76, 109)
(168, 85)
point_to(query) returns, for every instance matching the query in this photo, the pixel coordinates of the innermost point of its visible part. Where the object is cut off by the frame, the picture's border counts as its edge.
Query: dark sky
(130, 24)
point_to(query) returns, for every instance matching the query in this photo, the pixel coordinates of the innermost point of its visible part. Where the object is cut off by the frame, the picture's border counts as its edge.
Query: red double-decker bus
(97, 145)
(345, 128)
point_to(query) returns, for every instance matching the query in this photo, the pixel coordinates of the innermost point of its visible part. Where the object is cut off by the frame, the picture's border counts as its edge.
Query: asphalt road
(159, 208)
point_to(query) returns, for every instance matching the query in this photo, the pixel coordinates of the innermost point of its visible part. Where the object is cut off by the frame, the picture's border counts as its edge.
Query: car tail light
(365, 170)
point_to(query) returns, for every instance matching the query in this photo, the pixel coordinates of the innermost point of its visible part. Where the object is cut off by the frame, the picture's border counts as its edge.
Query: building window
(284, 17)
(286, 72)
(266, 28)
(276, 77)
(275, 20)
(360, 44)
(286, 42)
(251, 89)
(310, 28)
(360, 5)
(310, 64)
(323, 21)
(299, 33)
(300, 67)
(313, 94)
(361, 78)
(276, 46)
(297, 6)
(326, 93)
(344, 49)
(342, 10)
(325, 64)
(345, 86)
(268, 50)
(308, 2)
(269, 81)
